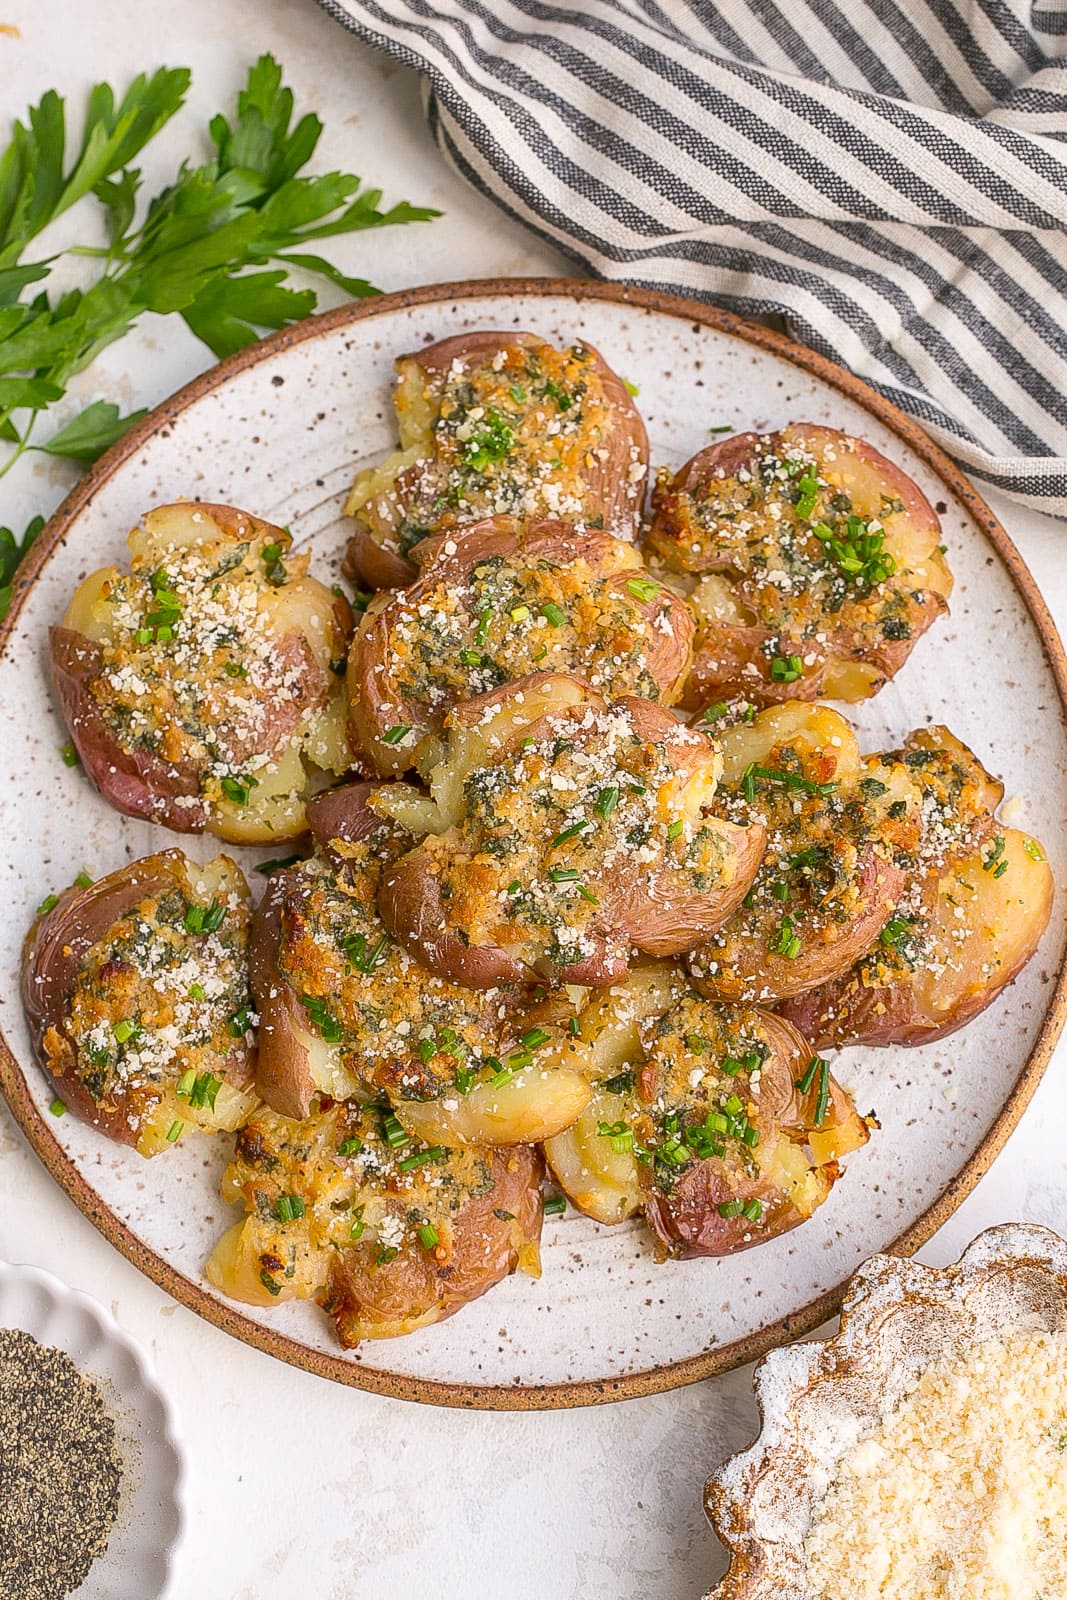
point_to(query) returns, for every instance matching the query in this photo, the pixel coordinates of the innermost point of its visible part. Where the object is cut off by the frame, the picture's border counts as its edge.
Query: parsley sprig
(215, 246)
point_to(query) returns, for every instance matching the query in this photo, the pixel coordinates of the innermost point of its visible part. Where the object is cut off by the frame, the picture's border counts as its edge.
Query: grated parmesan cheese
(961, 1492)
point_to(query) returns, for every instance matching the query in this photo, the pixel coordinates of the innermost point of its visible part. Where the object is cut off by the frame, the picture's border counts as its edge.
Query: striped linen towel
(888, 175)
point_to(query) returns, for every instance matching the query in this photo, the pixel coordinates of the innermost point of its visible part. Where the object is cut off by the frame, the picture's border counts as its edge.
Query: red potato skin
(723, 652)
(607, 494)
(820, 960)
(846, 1011)
(343, 813)
(485, 1251)
(370, 566)
(283, 1071)
(376, 704)
(659, 916)
(137, 783)
(687, 1220)
(52, 957)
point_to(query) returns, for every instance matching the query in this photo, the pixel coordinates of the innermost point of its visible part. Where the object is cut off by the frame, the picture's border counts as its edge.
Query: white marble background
(298, 1487)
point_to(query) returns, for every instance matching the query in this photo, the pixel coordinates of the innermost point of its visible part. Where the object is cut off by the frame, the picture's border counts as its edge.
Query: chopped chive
(717, 709)
(235, 669)
(517, 393)
(569, 833)
(239, 789)
(47, 904)
(573, 1027)
(642, 588)
(471, 658)
(998, 872)
(184, 1085)
(675, 829)
(240, 1022)
(350, 1147)
(553, 615)
(753, 1211)
(197, 991)
(175, 1131)
(730, 1208)
(356, 1230)
(785, 942)
(397, 734)
(722, 427)
(786, 669)
(386, 1253)
(126, 1030)
(554, 1205)
(393, 1131)
(84, 880)
(428, 1236)
(519, 613)
(268, 1282)
(1033, 849)
(805, 1081)
(606, 801)
(535, 1038)
(485, 616)
(587, 894)
(564, 874)
(621, 1083)
(421, 1158)
(57, 1108)
(70, 756)
(631, 388)
(465, 1077)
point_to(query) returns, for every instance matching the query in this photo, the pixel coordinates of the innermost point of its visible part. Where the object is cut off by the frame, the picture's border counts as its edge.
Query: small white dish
(138, 1563)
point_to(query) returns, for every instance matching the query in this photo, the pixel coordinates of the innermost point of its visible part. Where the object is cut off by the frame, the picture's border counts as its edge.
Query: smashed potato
(388, 1233)
(204, 688)
(495, 602)
(812, 563)
(839, 830)
(719, 1123)
(586, 834)
(345, 1009)
(498, 424)
(971, 917)
(137, 997)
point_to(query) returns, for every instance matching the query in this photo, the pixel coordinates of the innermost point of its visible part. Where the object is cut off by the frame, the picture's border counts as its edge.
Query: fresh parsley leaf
(90, 433)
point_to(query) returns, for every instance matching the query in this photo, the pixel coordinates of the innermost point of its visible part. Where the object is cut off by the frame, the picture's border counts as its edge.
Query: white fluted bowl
(138, 1563)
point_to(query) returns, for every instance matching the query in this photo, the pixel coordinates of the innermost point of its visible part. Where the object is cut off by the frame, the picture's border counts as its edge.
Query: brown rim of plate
(655, 1380)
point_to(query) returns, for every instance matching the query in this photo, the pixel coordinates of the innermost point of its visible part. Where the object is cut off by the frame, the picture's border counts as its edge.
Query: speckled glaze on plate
(138, 1563)
(279, 430)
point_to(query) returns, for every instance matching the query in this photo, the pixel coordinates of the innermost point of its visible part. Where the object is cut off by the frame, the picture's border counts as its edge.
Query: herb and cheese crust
(977, 900)
(498, 424)
(840, 832)
(812, 563)
(717, 1122)
(389, 1233)
(585, 835)
(204, 687)
(495, 602)
(136, 988)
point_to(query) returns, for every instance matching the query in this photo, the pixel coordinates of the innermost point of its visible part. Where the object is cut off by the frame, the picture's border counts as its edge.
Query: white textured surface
(298, 1487)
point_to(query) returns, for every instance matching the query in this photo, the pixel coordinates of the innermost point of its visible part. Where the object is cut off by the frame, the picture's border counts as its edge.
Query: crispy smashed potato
(586, 834)
(495, 602)
(971, 917)
(204, 688)
(812, 563)
(718, 1122)
(388, 1233)
(345, 1009)
(498, 424)
(839, 830)
(136, 992)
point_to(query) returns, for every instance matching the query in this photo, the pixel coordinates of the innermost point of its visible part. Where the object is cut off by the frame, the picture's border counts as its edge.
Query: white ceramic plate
(279, 430)
(138, 1561)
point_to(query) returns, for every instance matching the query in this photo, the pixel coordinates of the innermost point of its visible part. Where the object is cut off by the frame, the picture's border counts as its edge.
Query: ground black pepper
(60, 1478)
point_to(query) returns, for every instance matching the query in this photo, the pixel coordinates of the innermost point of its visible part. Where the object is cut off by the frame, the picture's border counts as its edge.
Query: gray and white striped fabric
(888, 175)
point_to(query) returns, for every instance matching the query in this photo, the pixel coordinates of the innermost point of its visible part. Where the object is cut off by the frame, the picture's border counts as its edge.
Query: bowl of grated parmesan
(921, 1453)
